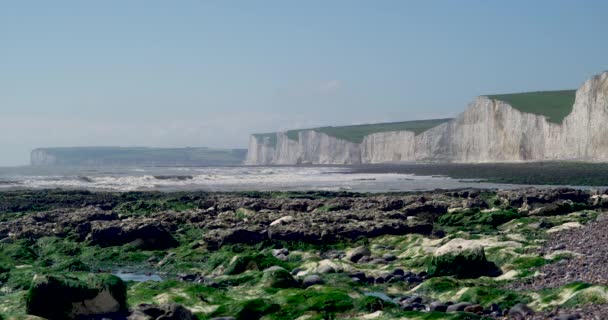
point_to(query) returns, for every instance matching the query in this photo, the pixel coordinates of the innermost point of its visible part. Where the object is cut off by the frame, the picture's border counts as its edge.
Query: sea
(227, 179)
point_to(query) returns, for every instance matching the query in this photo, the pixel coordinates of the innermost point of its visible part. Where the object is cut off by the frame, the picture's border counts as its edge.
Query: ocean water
(239, 178)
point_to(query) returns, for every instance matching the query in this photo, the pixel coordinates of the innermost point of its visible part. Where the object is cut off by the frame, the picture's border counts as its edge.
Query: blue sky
(208, 73)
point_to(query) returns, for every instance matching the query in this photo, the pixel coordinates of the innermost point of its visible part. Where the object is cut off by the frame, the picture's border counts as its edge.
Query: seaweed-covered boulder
(277, 277)
(70, 297)
(462, 259)
(170, 311)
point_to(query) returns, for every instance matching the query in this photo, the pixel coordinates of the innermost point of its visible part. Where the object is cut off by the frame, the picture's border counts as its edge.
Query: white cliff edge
(488, 131)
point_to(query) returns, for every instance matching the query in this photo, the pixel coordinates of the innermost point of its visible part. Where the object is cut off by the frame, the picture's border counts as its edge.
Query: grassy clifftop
(356, 133)
(554, 105)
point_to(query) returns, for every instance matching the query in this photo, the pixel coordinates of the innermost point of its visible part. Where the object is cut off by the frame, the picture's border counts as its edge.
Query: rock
(223, 318)
(274, 268)
(215, 239)
(163, 312)
(66, 297)
(311, 280)
(359, 275)
(568, 317)
(282, 251)
(282, 220)
(520, 311)
(438, 306)
(399, 272)
(477, 309)
(414, 299)
(146, 235)
(389, 257)
(295, 271)
(462, 259)
(357, 253)
(327, 266)
(458, 307)
(278, 277)
(378, 261)
(414, 279)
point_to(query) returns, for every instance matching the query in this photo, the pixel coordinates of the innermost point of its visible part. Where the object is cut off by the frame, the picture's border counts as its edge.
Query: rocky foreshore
(463, 254)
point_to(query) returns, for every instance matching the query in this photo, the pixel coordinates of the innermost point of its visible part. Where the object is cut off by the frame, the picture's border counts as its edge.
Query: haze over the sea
(209, 73)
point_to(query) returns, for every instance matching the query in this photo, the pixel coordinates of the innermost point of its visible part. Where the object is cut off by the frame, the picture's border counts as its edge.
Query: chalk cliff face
(488, 131)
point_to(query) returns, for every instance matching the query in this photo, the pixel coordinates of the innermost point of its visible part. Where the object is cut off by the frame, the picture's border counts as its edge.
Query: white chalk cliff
(488, 131)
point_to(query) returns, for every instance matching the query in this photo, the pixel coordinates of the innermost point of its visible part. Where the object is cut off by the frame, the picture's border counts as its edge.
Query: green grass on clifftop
(554, 105)
(356, 133)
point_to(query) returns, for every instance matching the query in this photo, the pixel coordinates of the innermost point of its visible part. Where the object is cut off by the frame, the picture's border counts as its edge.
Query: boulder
(357, 253)
(170, 311)
(70, 297)
(458, 307)
(145, 235)
(520, 311)
(438, 306)
(277, 277)
(462, 259)
(311, 280)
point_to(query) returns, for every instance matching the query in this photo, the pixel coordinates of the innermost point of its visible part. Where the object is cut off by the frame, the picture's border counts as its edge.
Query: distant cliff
(118, 156)
(558, 125)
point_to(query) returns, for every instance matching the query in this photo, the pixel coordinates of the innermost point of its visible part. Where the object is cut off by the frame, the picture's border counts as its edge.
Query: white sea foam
(233, 179)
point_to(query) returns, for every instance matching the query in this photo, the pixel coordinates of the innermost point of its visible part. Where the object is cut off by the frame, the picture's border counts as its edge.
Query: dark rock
(477, 309)
(389, 257)
(359, 275)
(520, 310)
(378, 261)
(311, 280)
(163, 312)
(414, 279)
(357, 253)
(438, 306)
(458, 306)
(147, 235)
(568, 317)
(470, 263)
(399, 272)
(55, 297)
(414, 299)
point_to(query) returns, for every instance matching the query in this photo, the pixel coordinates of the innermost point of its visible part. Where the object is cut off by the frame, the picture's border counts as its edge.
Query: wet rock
(414, 299)
(389, 257)
(477, 309)
(64, 297)
(568, 317)
(520, 311)
(311, 280)
(357, 253)
(399, 272)
(282, 251)
(414, 279)
(170, 311)
(359, 275)
(378, 261)
(215, 239)
(438, 306)
(458, 306)
(144, 235)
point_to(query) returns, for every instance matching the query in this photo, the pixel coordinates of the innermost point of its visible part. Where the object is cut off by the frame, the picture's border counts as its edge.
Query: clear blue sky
(208, 73)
